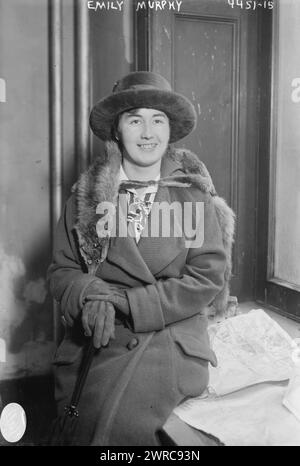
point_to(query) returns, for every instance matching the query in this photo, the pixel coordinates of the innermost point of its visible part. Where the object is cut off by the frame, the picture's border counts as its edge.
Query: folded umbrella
(64, 426)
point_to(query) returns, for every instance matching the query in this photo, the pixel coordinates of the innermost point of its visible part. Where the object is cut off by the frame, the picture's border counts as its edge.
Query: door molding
(283, 297)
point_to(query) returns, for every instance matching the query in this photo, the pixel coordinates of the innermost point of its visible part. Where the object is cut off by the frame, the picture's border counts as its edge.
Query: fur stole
(100, 183)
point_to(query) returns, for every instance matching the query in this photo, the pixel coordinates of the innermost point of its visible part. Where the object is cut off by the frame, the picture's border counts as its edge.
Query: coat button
(132, 344)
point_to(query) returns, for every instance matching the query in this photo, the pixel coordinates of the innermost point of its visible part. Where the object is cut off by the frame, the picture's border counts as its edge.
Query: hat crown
(143, 89)
(142, 80)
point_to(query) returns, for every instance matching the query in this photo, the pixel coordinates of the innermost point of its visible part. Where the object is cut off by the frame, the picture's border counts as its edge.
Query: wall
(26, 322)
(25, 315)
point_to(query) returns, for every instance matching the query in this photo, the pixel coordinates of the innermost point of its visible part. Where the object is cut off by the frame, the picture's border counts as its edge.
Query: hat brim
(179, 110)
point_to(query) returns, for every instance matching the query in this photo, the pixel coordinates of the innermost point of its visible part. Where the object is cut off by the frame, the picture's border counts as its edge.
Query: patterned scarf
(138, 211)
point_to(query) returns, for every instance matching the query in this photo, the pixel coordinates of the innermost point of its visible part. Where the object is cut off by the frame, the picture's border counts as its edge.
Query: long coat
(161, 353)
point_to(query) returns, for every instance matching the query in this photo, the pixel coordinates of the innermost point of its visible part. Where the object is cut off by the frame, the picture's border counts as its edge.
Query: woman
(141, 296)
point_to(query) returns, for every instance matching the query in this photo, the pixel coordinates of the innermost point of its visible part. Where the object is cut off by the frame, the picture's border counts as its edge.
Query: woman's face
(145, 134)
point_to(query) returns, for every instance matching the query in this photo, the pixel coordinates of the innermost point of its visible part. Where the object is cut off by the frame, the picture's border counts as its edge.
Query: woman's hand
(115, 296)
(98, 320)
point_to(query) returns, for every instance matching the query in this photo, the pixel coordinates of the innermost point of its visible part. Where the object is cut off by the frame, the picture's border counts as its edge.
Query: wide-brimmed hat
(143, 89)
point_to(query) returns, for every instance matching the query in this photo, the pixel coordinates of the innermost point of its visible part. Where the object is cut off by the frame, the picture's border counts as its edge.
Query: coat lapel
(152, 253)
(159, 251)
(124, 253)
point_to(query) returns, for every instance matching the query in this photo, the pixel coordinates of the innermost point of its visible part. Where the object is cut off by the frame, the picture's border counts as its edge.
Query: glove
(120, 301)
(96, 287)
(115, 296)
(98, 320)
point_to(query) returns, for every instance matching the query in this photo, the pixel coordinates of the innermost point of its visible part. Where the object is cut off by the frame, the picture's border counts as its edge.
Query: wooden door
(208, 51)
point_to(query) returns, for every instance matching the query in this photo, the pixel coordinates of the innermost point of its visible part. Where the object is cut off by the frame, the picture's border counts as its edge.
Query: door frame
(270, 291)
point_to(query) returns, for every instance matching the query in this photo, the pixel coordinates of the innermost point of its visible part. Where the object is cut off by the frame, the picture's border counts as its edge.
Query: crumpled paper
(250, 348)
(243, 405)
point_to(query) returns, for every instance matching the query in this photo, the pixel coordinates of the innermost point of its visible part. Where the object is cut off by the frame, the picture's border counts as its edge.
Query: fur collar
(100, 183)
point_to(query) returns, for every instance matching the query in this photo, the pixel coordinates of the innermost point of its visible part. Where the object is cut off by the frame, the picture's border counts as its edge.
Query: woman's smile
(148, 147)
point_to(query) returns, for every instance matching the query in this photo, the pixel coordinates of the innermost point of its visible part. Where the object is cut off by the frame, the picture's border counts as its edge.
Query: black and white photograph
(149, 225)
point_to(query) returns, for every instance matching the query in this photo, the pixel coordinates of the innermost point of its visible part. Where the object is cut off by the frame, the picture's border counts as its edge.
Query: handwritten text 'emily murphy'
(156, 5)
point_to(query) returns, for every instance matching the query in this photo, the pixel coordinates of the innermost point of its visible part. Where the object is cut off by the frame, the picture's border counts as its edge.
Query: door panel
(213, 58)
(209, 53)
